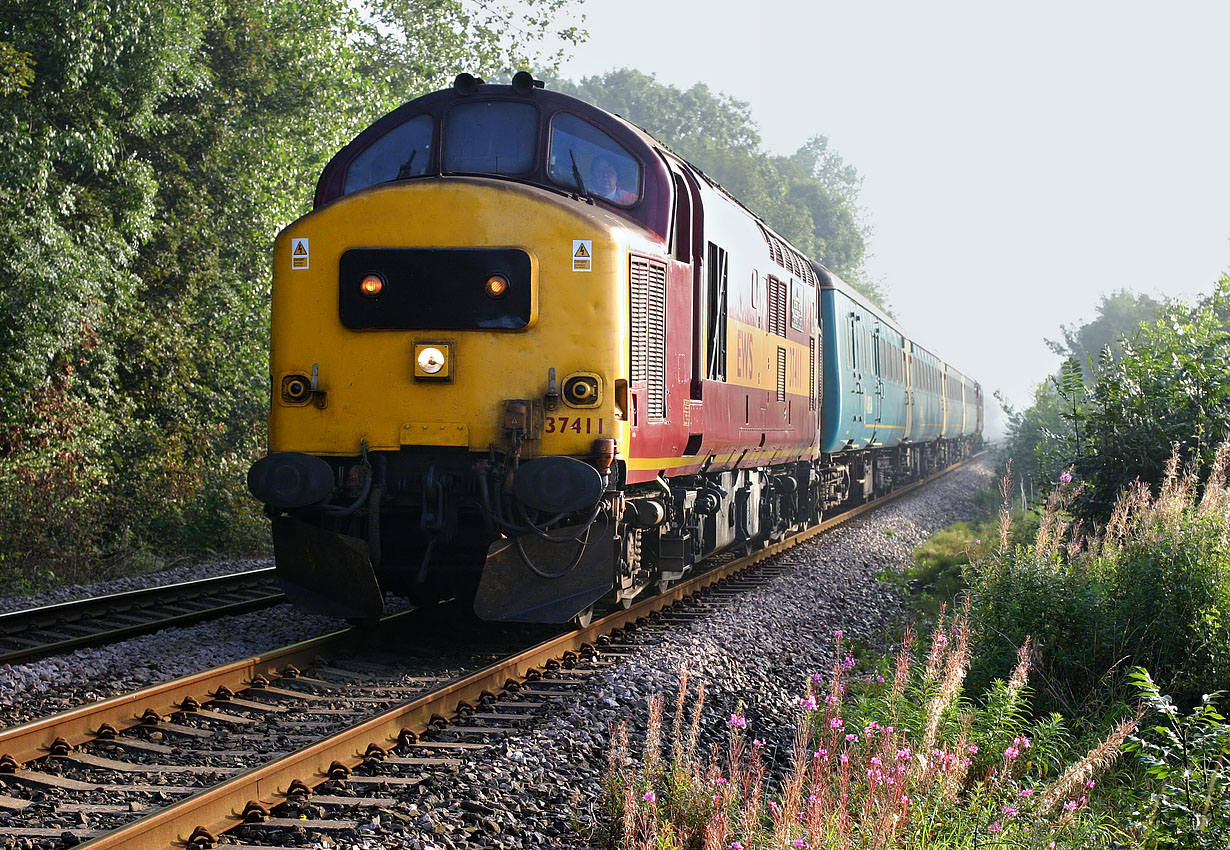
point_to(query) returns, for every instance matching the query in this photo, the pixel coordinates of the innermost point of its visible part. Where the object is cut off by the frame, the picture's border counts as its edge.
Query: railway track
(54, 629)
(318, 735)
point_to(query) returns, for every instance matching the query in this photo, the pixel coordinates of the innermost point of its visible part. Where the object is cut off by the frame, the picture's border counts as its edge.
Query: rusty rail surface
(71, 728)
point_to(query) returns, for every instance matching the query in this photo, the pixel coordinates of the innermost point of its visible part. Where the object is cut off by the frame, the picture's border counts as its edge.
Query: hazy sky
(1019, 160)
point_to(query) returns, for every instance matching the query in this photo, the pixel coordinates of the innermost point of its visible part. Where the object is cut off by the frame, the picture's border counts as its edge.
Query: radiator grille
(648, 302)
(811, 376)
(781, 374)
(777, 306)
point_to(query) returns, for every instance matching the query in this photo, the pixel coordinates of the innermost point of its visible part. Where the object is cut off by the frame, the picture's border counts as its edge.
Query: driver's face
(604, 177)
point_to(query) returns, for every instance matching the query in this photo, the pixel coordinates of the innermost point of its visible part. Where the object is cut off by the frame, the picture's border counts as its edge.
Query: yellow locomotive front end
(450, 358)
(448, 368)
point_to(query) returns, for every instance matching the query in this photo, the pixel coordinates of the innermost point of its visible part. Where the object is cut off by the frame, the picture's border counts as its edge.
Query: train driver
(605, 181)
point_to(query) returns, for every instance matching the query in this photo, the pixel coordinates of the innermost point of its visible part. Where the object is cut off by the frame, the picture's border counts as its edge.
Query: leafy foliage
(810, 197)
(1150, 589)
(1187, 757)
(1168, 387)
(149, 152)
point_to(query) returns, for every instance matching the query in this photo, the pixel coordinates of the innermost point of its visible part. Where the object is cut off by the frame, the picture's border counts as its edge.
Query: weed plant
(895, 759)
(1151, 589)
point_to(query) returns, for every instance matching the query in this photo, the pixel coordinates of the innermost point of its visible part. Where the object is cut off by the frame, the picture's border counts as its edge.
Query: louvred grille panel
(781, 374)
(648, 303)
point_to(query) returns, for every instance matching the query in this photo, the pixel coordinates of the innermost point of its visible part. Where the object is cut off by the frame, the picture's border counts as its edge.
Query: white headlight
(431, 360)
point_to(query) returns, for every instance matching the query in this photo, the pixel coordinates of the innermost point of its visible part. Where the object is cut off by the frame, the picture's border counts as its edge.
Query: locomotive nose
(290, 480)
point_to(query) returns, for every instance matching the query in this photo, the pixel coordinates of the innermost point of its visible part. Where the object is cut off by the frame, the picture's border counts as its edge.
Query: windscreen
(402, 152)
(490, 137)
(579, 149)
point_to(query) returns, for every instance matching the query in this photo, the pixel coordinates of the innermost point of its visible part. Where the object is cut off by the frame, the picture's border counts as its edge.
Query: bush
(1187, 758)
(1152, 589)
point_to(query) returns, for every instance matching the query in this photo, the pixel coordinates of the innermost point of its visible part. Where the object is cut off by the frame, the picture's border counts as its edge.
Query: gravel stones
(49, 685)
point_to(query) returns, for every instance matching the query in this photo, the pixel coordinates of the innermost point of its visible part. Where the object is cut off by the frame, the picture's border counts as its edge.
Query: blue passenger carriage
(865, 398)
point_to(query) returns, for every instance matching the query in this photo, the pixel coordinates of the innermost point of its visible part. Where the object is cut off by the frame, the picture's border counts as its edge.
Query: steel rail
(79, 613)
(69, 729)
(219, 808)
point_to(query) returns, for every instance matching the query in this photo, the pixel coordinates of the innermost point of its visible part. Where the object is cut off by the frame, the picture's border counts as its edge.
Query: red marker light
(371, 285)
(496, 286)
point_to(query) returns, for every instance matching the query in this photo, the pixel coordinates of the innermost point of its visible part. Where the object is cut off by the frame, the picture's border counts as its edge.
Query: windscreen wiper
(404, 171)
(576, 175)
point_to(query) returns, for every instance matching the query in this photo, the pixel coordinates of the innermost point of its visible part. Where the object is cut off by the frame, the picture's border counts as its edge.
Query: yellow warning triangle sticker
(300, 249)
(581, 252)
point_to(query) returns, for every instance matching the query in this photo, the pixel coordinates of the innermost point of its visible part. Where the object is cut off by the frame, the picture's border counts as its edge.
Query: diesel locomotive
(524, 353)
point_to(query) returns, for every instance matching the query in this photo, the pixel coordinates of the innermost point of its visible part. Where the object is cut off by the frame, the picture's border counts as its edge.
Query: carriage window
(402, 152)
(492, 137)
(607, 170)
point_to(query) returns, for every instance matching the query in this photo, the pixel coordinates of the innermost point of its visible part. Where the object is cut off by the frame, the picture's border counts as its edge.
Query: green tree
(810, 197)
(149, 151)
(1119, 315)
(1170, 387)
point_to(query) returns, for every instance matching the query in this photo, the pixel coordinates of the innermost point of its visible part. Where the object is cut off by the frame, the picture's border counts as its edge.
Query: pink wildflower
(738, 845)
(836, 723)
(1069, 806)
(737, 722)
(995, 827)
(809, 704)
(650, 797)
(1066, 478)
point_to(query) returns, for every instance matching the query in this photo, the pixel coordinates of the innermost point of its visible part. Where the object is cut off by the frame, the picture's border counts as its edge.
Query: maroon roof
(652, 210)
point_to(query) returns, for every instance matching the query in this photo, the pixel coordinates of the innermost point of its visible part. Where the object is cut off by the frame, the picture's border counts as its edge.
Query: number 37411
(573, 425)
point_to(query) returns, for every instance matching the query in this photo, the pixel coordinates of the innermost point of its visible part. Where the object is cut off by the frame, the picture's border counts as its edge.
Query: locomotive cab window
(404, 151)
(605, 168)
(490, 137)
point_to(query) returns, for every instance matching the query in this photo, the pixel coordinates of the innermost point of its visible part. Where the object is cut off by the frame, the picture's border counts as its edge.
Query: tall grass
(902, 760)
